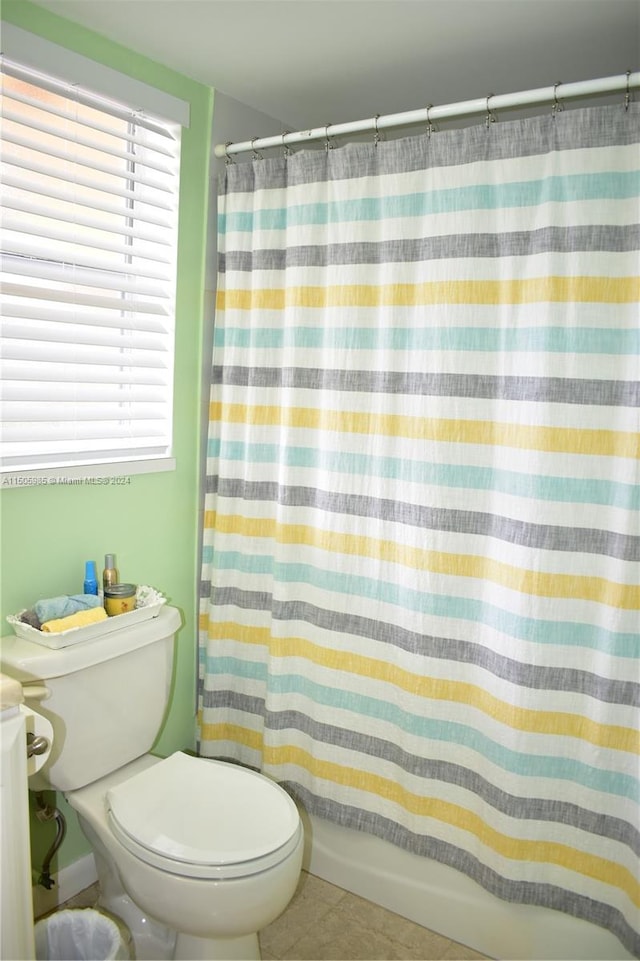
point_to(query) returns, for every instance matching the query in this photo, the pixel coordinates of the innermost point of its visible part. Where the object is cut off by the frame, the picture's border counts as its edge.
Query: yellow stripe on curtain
(542, 584)
(569, 440)
(607, 290)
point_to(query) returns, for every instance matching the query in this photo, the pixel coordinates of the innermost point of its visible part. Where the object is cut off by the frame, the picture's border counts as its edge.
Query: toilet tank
(105, 698)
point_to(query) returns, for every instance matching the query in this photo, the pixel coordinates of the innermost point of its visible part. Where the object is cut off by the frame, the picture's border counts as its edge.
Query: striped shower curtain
(420, 583)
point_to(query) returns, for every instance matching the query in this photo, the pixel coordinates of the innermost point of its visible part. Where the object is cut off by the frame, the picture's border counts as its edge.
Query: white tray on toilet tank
(148, 601)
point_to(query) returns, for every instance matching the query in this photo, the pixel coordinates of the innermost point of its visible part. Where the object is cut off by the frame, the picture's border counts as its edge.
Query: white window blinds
(89, 240)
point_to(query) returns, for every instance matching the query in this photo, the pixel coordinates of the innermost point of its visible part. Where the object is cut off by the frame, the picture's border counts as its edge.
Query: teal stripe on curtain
(610, 185)
(585, 341)
(445, 475)
(420, 591)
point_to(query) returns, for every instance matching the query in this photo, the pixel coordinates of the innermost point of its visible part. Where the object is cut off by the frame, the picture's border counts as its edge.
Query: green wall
(150, 523)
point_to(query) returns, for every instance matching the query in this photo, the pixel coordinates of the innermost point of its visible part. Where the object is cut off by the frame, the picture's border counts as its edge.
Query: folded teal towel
(54, 607)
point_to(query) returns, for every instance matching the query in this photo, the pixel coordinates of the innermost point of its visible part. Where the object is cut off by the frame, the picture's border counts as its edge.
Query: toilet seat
(201, 818)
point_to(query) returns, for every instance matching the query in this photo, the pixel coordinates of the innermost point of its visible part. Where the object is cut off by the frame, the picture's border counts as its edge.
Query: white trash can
(79, 934)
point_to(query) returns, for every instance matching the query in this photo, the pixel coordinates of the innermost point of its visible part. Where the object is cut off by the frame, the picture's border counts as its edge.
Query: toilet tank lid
(26, 661)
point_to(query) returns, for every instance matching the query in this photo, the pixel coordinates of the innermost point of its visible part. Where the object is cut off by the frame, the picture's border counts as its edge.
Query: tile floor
(326, 923)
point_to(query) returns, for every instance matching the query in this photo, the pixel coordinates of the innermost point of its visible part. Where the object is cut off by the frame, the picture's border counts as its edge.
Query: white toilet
(195, 855)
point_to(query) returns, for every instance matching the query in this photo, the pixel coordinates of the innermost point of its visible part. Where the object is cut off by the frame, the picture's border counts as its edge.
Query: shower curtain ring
(287, 151)
(557, 104)
(431, 127)
(627, 96)
(227, 159)
(491, 117)
(256, 155)
(378, 136)
(327, 143)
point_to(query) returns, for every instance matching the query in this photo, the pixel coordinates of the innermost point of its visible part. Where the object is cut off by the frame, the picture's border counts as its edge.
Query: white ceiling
(313, 62)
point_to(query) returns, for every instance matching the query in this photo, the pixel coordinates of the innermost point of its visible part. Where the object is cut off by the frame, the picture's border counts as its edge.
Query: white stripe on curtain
(420, 583)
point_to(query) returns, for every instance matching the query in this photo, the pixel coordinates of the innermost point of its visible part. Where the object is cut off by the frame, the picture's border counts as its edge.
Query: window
(89, 243)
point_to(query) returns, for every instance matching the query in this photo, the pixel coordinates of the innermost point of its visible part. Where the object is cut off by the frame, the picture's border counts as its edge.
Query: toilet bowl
(195, 855)
(200, 846)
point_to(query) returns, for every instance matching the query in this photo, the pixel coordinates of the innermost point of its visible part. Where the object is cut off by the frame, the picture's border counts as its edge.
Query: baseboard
(69, 881)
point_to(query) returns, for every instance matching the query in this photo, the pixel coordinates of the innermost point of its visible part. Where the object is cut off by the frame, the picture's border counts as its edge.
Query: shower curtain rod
(489, 104)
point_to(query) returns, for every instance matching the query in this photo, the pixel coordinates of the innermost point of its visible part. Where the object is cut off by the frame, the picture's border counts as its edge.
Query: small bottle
(110, 575)
(90, 578)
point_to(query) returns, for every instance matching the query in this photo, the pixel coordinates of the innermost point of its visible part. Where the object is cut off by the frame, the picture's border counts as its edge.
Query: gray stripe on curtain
(526, 534)
(572, 130)
(521, 243)
(555, 390)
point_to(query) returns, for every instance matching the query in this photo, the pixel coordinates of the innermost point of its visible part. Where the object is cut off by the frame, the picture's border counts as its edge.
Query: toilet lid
(209, 818)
